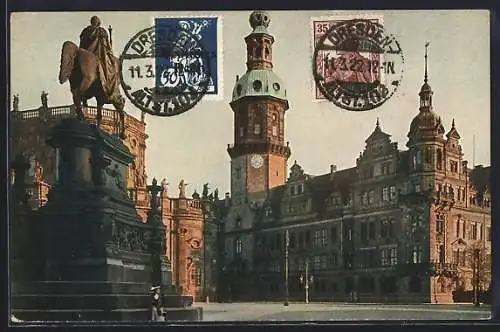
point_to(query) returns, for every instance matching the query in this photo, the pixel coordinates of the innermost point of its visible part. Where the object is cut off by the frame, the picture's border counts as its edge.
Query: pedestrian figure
(156, 310)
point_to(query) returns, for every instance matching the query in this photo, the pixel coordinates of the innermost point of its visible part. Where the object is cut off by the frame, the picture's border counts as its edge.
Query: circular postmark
(164, 70)
(357, 65)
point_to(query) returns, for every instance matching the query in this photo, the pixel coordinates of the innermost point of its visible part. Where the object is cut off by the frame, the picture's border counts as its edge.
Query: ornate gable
(297, 173)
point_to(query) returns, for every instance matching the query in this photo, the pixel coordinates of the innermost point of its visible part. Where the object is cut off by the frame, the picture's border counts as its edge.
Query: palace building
(402, 225)
(182, 216)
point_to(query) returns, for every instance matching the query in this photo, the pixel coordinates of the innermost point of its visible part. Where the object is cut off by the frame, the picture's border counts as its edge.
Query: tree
(478, 259)
(477, 269)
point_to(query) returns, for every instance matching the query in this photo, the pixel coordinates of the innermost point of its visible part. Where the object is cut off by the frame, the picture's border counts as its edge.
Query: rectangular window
(488, 234)
(440, 223)
(464, 232)
(457, 230)
(242, 131)
(416, 254)
(392, 193)
(393, 256)
(371, 197)
(385, 194)
(364, 198)
(256, 129)
(473, 234)
(317, 239)
(386, 228)
(417, 188)
(275, 131)
(317, 262)
(324, 239)
(385, 257)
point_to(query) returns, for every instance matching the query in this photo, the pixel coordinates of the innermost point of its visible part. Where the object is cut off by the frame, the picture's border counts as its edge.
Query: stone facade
(29, 131)
(183, 218)
(399, 226)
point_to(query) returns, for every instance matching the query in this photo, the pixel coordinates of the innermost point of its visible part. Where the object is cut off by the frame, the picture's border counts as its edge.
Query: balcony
(443, 269)
(444, 198)
(109, 116)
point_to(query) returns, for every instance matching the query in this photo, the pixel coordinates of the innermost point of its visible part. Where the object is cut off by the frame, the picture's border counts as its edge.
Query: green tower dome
(259, 82)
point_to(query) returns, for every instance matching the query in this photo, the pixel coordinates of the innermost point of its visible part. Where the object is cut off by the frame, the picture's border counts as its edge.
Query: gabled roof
(377, 134)
(453, 133)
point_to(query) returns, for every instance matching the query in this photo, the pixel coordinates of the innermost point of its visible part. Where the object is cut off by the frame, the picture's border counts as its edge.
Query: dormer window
(268, 211)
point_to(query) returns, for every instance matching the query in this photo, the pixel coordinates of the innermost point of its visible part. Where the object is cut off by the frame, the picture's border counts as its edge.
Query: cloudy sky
(192, 146)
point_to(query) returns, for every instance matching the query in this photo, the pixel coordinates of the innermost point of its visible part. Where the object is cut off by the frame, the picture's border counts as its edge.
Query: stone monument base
(52, 301)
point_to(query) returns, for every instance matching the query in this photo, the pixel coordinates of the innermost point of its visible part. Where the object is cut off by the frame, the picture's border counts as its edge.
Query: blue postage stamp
(196, 45)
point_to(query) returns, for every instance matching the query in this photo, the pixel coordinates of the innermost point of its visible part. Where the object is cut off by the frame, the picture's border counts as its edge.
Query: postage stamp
(168, 68)
(356, 64)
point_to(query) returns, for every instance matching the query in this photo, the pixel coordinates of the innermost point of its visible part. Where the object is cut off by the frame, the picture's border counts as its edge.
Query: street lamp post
(287, 243)
(475, 276)
(306, 281)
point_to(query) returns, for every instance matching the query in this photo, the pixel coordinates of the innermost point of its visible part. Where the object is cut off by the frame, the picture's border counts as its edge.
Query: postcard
(250, 166)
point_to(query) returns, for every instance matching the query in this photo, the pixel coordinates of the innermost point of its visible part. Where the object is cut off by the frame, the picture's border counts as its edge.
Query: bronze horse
(81, 68)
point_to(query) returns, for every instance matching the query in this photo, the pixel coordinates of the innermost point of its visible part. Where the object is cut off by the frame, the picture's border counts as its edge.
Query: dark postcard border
(155, 5)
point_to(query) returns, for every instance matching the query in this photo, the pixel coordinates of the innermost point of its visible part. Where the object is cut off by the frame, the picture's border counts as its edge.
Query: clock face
(257, 161)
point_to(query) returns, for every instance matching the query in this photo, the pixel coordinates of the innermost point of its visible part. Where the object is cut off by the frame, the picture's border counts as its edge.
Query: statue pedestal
(90, 256)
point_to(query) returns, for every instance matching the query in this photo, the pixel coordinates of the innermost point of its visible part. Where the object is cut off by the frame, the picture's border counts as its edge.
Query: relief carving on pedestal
(129, 238)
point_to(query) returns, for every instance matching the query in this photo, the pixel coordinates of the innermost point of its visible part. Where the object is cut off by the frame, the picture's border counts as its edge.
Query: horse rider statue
(93, 71)
(95, 39)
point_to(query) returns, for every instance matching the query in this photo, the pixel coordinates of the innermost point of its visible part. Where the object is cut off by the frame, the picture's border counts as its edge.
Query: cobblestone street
(338, 311)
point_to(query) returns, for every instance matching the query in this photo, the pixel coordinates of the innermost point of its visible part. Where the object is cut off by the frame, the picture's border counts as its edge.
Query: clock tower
(259, 154)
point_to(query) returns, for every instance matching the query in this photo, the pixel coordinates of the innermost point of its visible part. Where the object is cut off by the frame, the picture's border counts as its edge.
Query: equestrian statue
(93, 72)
